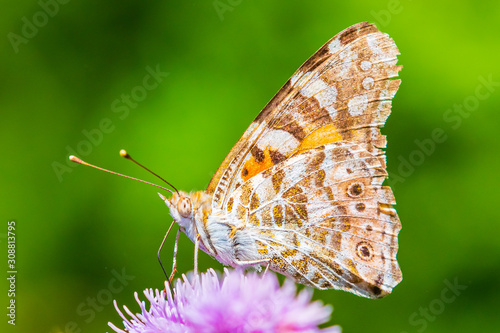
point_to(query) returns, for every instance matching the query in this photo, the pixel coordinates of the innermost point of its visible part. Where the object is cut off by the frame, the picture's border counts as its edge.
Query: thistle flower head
(235, 303)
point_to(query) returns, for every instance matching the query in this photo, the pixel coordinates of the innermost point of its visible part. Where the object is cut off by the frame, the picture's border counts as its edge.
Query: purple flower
(236, 303)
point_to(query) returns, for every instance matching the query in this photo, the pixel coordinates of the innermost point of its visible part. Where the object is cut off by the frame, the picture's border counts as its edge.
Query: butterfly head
(180, 206)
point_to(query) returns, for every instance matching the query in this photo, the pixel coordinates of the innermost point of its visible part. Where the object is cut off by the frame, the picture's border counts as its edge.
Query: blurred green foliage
(63, 88)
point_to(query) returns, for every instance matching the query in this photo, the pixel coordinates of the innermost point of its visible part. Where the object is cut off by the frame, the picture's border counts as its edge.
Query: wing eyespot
(355, 190)
(364, 251)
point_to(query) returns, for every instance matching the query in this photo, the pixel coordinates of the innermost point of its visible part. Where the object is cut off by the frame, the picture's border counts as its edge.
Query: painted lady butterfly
(301, 191)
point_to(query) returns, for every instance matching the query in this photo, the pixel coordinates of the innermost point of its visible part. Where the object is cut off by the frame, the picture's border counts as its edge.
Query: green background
(75, 226)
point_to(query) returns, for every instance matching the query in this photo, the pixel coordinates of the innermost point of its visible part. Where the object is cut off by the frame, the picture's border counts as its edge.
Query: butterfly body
(301, 191)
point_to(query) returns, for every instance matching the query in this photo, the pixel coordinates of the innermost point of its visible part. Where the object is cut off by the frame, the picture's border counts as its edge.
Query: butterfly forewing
(305, 179)
(342, 93)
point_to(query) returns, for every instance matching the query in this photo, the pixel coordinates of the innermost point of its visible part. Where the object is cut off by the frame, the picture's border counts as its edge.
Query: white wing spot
(357, 105)
(368, 83)
(325, 94)
(334, 46)
(332, 111)
(366, 65)
(279, 140)
(378, 52)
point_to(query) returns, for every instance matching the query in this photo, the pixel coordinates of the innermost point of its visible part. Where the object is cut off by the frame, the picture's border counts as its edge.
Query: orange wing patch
(259, 161)
(321, 136)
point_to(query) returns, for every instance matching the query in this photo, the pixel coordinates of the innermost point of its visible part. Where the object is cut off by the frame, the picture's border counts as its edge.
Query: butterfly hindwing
(323, 218)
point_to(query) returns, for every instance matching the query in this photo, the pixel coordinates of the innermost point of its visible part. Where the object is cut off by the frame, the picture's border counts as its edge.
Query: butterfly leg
(245, 263)
(267, 268)
(161, 247)
(196, 247)
(174, 261)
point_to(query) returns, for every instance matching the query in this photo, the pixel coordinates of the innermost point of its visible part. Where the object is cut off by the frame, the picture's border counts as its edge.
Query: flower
(236, 303)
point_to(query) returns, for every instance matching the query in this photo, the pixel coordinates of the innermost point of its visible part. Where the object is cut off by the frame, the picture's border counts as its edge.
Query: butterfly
(301, 191)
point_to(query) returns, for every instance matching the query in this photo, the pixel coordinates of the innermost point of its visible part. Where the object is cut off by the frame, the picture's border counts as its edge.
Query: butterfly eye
(184, 207)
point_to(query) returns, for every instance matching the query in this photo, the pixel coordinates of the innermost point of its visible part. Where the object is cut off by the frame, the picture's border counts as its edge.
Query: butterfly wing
(342, 93)
(305, 180)
(323, 218)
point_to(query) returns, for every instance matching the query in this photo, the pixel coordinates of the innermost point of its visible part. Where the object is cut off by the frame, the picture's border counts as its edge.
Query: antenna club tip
(75, 159)
(123, 153)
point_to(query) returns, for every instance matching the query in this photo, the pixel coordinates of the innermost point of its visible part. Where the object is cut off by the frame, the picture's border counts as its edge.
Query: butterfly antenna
(123, 153)
(79, 161)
